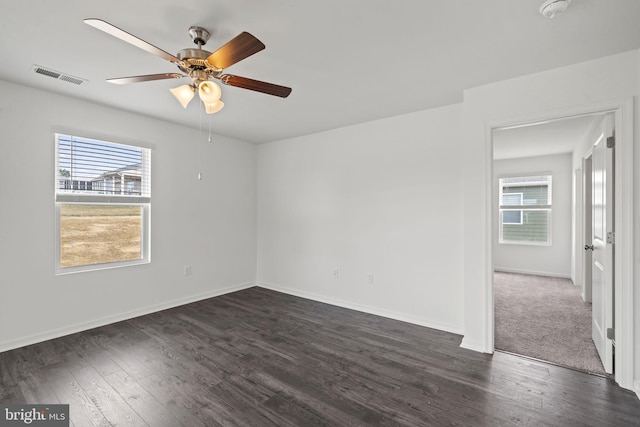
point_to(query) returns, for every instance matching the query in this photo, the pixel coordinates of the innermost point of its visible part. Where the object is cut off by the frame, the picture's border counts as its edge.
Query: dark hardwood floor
(258, 358)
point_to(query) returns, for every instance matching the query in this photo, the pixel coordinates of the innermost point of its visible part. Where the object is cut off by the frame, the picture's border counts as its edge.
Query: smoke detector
(550, 7)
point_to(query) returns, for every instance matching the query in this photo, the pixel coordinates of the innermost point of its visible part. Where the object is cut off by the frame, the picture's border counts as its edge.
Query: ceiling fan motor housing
(193, 60)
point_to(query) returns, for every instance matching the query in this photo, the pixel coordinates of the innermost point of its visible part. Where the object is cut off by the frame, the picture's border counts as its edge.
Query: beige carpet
(544, 318)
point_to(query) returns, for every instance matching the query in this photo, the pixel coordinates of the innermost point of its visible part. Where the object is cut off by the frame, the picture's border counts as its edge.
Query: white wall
(553, 260)
(209, 224)
(383, 197)
(606, 81)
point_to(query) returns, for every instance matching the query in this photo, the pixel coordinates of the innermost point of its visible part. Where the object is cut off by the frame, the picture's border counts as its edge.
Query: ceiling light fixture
(208, 91)
(550, 8)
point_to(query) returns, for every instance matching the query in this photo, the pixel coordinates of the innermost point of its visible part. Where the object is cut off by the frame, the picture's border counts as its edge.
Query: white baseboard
(474, 346)
(79, 327)
(364, 308)
(535, 273)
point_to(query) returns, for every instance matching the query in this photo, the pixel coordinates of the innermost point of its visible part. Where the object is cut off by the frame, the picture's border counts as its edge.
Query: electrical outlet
(336, 273)
(187, 270)
(370, 278)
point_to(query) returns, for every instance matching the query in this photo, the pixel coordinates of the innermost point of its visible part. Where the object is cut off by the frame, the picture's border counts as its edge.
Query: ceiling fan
(200, 65)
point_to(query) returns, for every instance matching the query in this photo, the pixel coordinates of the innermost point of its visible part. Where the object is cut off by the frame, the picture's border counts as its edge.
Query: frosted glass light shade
(184, 94)
(209, 92)
(212, 108)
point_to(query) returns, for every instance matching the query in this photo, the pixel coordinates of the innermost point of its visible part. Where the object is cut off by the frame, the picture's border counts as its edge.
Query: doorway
(542, 304)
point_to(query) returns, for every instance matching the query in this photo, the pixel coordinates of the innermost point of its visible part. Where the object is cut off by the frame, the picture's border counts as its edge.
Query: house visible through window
(103, 199)
(525, 210)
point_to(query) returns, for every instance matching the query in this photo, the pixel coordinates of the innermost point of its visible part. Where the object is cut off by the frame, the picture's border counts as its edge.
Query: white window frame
(68, 198)
(525, 205)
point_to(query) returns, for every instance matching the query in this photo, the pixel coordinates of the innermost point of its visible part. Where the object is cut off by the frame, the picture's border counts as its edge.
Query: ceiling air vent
(57, 75)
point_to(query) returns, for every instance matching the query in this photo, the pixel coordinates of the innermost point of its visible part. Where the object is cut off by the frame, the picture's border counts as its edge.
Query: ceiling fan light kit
(550, 8)
(200, 65)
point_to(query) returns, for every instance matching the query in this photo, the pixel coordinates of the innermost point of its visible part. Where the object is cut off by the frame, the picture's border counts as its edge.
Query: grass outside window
(99, 234)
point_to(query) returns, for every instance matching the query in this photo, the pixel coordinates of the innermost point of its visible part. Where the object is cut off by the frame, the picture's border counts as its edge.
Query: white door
(587, 224)
(602, 257)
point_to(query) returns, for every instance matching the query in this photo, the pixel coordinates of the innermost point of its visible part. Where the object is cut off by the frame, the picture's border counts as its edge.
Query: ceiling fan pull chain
(210, 139)
(200, 147)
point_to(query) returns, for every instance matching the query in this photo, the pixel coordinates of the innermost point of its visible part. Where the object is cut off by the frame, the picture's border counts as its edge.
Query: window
(525, 210)
(103, 202)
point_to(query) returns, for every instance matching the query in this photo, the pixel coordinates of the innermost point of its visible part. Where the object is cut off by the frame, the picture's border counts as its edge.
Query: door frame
(623, 110)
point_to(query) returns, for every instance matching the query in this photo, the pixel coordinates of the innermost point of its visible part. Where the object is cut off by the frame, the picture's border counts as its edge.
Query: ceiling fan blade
(236, 49)
(130, 38)
(257, 85)
(145, 78)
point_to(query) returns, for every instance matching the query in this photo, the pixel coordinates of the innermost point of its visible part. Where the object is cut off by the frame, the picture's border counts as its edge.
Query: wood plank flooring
(259, 358)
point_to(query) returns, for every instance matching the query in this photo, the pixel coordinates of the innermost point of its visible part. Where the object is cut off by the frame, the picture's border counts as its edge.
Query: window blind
(525, 191)
(88, 170)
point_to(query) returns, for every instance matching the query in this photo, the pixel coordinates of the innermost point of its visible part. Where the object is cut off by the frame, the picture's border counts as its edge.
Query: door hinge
(611, 237)
(611, 142)
(611, 333)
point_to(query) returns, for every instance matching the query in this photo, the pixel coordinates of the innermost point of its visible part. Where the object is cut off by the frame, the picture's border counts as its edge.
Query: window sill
(60, 271)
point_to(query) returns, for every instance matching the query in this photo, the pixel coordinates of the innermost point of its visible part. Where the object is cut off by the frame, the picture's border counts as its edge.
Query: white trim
(535, 273)
(491, 212)
(107, 320)
(624, 260)
(364, 308)
(636, 387)
(623, 110)
(100, 199)
(475, 346)
(524, 243)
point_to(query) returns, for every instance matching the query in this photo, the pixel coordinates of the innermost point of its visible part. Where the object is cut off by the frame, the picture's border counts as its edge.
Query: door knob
(588, 247)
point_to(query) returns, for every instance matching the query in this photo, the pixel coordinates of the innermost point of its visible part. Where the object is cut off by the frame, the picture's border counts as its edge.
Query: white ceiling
(347, 61)
(554, 137)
